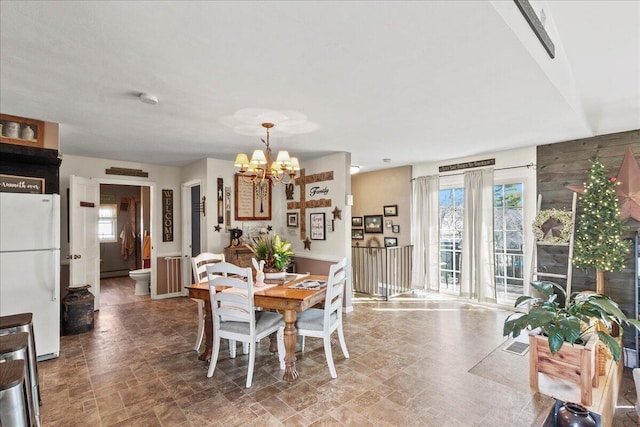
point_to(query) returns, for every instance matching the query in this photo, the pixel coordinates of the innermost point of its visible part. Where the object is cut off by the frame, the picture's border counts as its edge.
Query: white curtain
(424, 225)
(477, 280)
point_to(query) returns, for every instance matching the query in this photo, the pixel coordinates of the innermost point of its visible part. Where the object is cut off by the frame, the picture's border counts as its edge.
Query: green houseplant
(569, 323)
(273, 250)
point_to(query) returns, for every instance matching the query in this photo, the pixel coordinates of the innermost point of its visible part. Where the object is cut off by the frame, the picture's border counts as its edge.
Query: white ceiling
(409, 81)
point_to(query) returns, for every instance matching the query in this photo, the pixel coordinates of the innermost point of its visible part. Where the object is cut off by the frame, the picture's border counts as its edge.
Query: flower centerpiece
(274, 251)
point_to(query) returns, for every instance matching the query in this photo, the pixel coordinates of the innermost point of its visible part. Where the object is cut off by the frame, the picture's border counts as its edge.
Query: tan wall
(312, 266)
(374, 190)
(51, 136)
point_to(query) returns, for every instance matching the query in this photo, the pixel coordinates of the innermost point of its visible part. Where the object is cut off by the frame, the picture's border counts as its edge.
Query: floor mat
(505, 368)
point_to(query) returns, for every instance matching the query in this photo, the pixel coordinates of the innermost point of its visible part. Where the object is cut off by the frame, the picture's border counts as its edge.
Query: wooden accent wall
(568, 163)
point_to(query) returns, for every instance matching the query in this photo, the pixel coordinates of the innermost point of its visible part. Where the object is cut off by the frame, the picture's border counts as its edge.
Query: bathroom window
(108, 223)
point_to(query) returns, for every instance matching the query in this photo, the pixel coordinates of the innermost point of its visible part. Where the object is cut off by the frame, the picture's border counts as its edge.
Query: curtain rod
(528, 166)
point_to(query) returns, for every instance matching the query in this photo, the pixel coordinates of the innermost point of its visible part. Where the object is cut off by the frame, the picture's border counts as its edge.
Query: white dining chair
(199, 268)
(234, 314)
(321, 323)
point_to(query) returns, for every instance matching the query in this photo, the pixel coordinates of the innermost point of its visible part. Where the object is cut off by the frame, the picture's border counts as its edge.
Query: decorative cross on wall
(302, 181)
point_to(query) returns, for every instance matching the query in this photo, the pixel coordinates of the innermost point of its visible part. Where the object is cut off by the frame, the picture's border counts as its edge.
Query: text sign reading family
(316, 190)
(467, 165)
(167, 215)
(21, 184)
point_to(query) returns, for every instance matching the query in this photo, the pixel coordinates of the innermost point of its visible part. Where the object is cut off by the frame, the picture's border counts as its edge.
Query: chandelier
(261, 167)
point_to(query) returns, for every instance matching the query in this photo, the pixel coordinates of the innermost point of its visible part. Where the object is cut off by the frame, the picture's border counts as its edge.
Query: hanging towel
(128, 241)
(146, 248)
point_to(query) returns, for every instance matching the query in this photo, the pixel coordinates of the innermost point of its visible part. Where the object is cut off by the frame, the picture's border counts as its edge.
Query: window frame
(112, 219)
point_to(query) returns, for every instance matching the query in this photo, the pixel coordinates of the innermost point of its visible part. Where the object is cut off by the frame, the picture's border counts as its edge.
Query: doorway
(124, 225)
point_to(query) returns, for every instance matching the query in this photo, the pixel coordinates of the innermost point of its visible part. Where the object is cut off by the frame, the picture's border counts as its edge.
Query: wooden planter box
(577, 364)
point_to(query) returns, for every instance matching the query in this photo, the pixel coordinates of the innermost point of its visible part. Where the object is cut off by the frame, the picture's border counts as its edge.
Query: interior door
(84, 247)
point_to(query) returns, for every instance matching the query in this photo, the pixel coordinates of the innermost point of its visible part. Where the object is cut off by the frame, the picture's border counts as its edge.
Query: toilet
(142, 278)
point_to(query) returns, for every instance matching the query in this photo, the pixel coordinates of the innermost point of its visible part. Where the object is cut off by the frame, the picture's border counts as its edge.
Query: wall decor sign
(373, 223)
(253, 201)
(388, 223)
(316, 190)
(292, 219)
(391, 210)
(467, 165)
(167, 215)
(318, 228)
(21, 184)
(357, 234)
(395, 228)
(220, 201)
(356, 221)
(303, 204)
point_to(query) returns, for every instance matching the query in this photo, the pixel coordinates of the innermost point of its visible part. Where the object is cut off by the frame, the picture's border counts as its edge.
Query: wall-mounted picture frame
(292, 219)
(391, 210)
(395, 228)
(390, 242)
(252, 200)
(373, 223)
(318, 227)
(388, 223)
(357, 234)
(356, 221)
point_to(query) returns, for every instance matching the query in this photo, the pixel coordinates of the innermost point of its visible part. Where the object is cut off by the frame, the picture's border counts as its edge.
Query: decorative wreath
(553, 226)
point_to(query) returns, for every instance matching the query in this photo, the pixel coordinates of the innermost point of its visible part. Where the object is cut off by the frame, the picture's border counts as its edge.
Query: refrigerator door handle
(56, 286)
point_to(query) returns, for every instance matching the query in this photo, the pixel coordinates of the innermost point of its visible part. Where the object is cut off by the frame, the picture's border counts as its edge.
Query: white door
(84, 247)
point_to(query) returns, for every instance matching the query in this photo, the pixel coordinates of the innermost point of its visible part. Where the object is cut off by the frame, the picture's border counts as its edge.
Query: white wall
(338, 242)
(163, 177)
(332, 249)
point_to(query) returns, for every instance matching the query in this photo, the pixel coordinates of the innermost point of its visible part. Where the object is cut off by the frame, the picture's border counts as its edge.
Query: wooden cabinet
(238, 255)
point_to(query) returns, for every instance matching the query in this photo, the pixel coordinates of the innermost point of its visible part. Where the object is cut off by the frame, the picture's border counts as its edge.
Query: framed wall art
(318, 228)
(357, 234)
(390, 242)
(373, 223)
(395, 228)
(292, 219)
(253, 200)
(391, 210)
(356, 221)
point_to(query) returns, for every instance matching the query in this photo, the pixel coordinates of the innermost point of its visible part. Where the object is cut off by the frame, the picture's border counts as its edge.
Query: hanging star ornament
(629, 187)
(337, 213)
(269, 228)
(307, 243)
(217, 228)
(552, 228)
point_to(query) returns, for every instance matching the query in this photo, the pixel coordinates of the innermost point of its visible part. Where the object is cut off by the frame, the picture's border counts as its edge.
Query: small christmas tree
(598, 240)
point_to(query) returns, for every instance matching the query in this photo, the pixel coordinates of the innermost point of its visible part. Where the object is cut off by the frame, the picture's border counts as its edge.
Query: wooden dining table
(283, 298)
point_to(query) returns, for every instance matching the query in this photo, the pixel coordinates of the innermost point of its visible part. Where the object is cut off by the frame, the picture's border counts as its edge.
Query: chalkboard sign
(167, 215)
(21, 184)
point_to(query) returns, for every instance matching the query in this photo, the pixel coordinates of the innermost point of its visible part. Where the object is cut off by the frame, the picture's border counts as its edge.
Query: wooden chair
(321, 323)
(199, 268)
(235, 317)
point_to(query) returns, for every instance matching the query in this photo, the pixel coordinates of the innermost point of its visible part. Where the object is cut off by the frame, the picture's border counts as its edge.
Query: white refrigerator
(30, 264)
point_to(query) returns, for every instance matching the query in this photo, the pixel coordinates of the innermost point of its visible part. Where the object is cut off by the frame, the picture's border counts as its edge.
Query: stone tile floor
(409, 366)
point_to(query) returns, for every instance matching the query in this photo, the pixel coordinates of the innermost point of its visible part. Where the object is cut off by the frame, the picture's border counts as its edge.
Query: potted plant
(575, 324)
(274, 251)
(570, 323)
